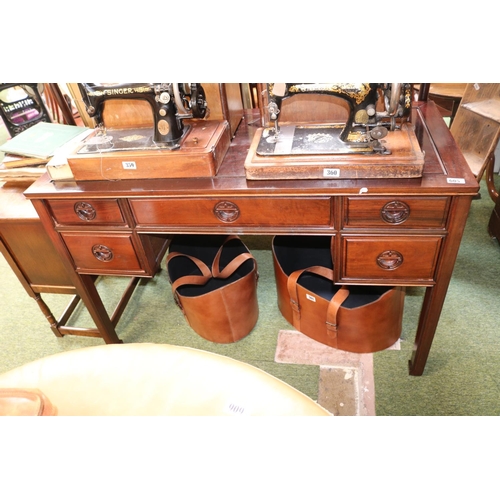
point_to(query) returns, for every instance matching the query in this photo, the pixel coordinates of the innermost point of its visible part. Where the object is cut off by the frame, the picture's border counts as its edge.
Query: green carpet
(462, 375)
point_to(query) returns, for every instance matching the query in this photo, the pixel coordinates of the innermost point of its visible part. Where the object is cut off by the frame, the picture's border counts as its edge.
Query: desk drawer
(390, 259)
(261, 212)
(103, 253)
(95, 212)
(410, 212)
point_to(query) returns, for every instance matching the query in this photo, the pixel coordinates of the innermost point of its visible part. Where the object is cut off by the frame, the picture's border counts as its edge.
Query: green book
(41, 140)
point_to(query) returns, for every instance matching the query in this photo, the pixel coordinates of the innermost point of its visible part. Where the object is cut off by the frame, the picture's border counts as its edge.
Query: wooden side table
(32, 256)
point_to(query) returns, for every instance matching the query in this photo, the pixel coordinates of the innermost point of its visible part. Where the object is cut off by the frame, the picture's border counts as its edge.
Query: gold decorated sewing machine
(334, 130)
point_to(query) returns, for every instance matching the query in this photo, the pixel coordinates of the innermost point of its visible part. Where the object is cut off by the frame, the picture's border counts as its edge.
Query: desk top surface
(445, 172)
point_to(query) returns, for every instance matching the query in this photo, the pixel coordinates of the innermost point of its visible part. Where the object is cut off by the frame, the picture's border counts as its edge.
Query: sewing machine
(366, 124)
(375, 140)
(170, 103)
(179, 142)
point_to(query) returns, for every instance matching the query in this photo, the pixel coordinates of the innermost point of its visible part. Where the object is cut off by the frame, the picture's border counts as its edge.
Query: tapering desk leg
(436, 295)
(90, 297)
(429, 318)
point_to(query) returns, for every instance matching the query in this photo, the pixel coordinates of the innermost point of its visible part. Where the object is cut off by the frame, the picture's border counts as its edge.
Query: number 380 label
(331, 172)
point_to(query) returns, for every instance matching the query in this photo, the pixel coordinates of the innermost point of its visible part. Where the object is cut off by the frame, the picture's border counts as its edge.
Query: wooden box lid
(406, 160)
(200, 155)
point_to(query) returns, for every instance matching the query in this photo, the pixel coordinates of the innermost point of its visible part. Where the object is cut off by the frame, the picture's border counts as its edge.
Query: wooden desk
(420, 219)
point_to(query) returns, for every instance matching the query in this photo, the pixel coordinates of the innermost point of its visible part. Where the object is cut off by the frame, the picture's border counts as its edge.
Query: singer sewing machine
(180, 141)
(170, 103)
(375, 140)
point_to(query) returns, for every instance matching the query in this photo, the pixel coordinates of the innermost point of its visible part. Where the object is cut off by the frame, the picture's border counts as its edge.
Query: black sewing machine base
(289, 159)
(123, 140)
(310, 140)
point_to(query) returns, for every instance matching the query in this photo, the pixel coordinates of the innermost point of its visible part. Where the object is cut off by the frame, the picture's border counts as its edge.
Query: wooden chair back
(476, 127)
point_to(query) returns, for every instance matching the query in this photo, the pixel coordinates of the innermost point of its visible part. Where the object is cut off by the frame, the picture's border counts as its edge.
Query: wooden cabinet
(391, 240)
(29, 251)
(27, 246)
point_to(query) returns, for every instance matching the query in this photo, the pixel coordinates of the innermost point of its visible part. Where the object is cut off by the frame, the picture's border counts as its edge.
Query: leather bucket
(356, 318)
(214, 282)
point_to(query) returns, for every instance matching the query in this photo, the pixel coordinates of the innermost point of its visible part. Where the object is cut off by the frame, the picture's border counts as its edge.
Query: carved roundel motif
(85, 211)
(395, 212)
(102, 253)
(390, 260)
(226, 211)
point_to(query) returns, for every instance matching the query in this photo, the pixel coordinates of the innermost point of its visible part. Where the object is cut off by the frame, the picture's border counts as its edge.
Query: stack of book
(26, 155)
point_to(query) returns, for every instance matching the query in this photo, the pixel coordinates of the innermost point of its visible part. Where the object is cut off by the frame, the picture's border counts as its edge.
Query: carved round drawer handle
(395, 212)
(102, 253)
(390, 260)
(226, 211)
(85, 211)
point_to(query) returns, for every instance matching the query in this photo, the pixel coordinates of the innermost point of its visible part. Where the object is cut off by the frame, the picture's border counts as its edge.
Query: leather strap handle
(191, 279)
(233, 265)
(292, 284)
(331, 313)
(333, 307)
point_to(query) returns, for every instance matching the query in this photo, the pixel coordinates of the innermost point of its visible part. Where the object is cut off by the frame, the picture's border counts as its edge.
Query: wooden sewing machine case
(201, 152)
